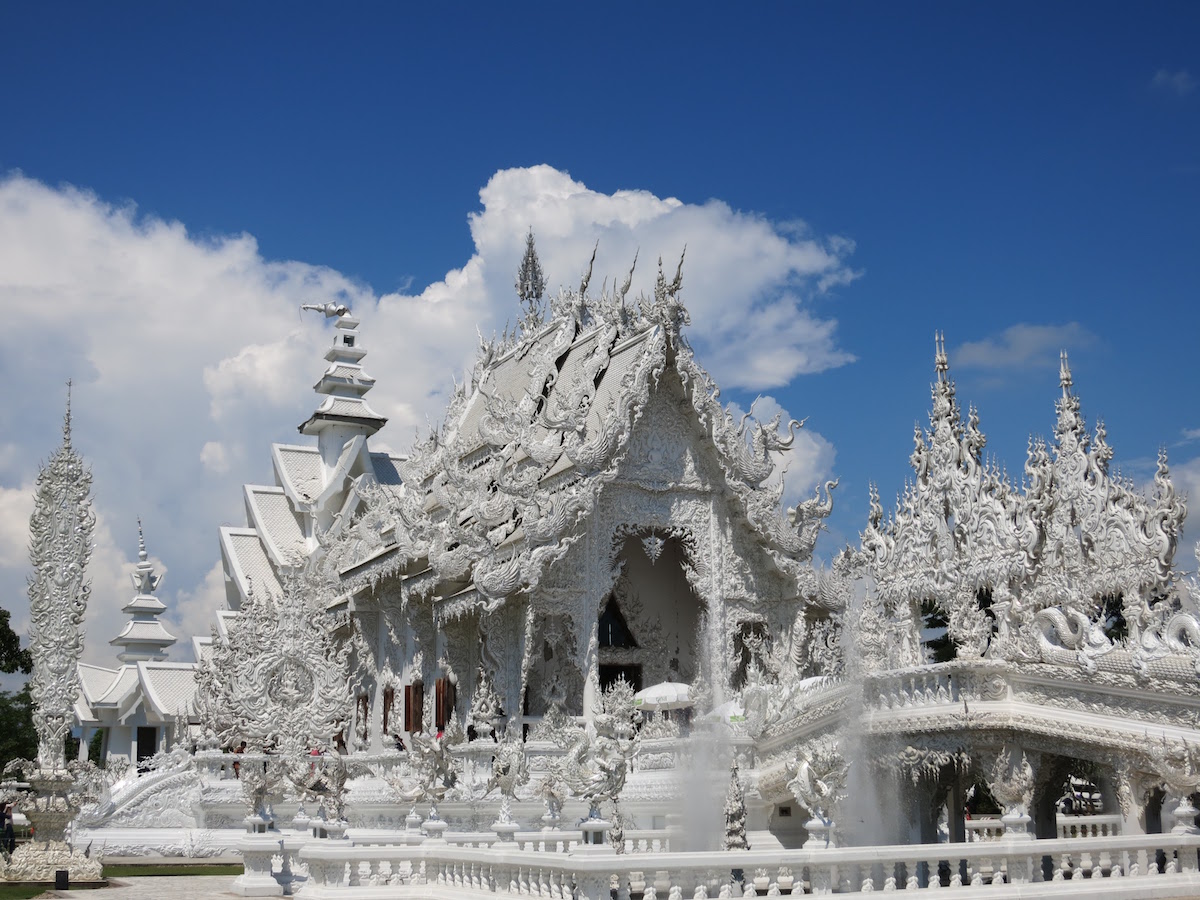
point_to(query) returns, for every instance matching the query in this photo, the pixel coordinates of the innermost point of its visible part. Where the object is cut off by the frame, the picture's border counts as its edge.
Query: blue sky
(994, 166)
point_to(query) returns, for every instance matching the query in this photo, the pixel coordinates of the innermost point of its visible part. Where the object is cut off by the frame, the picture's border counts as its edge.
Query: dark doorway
(609, 675)
(147, 743)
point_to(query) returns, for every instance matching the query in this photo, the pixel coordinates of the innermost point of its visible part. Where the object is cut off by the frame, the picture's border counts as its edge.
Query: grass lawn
(21, 891)
(133, 871)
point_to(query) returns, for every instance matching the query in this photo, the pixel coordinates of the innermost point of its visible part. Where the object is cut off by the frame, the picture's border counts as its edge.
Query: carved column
(1128, 792)
(60, 532)
(375, 735)
(591, 668)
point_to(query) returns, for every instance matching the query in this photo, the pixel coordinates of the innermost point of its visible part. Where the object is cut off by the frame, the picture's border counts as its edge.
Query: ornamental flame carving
(60, 545)
(281, 680)
(818, 777)
(597, 765)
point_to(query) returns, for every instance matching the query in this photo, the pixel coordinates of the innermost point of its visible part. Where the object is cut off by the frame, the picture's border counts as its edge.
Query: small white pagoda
(137, 705)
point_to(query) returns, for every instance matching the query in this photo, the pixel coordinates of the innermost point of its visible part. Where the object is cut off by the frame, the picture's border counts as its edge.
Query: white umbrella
(727, 713)
(668, 695)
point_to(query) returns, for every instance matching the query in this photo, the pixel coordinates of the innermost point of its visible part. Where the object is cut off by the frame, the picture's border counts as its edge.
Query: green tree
(12, 657)
(18, 740)
(17, 737)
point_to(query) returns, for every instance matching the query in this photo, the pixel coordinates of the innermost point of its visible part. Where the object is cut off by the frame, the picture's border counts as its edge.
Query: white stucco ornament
(280, 681)
(60, 546)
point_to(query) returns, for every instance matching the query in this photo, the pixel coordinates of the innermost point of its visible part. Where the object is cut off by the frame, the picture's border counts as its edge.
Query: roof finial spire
(531, 281)
(143, 637)
(67, 418)
(1064, 372)
(940, 361)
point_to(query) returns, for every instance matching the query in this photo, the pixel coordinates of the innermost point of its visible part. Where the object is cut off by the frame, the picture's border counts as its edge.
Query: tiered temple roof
(542, 424)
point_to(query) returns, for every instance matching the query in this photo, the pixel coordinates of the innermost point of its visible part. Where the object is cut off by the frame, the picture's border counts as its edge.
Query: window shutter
(389, 698)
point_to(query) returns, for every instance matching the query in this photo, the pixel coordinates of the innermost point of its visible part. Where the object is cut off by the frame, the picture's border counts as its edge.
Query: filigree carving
(818, 777)
(60, 534)
(1019, 574)
(597, 764)
(282, 680)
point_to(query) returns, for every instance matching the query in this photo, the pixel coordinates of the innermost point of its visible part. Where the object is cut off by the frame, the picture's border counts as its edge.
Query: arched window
(614, 631)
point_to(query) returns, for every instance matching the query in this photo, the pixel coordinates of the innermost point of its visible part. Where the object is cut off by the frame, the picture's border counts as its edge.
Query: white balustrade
(984, 828)
(339, 870)
(1089, 826)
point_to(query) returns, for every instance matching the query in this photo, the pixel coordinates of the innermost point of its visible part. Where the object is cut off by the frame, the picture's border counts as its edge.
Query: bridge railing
(339, 869)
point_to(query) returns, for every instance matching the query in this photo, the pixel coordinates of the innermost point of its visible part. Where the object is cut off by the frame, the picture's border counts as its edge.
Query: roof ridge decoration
(531, 285)
(1065, 563)
(542, 423)
(60, 532)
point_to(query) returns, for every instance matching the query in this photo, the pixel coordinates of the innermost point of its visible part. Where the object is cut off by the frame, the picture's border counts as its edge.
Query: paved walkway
(175, 887)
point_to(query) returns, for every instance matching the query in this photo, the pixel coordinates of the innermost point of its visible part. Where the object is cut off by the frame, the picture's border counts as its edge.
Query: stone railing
(984, 828)
(1163, 864)
(637, 840)
(1104, 825)
(907, 689)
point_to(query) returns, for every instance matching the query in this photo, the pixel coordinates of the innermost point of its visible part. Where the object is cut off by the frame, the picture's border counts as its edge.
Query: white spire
(60, 532)
(344, 383)
(144, 637)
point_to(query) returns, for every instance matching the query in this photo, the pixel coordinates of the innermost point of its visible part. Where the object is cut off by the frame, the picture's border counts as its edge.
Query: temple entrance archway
(650, 622)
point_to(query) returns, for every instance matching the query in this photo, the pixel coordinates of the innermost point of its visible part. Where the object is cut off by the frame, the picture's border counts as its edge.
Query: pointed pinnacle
(67, 418)
(940, 362)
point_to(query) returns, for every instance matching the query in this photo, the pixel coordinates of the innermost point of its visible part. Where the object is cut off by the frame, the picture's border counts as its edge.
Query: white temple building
(135, 706)
(574, 629)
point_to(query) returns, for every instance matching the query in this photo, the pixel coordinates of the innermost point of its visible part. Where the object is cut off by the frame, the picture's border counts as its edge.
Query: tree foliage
(18, 740)
(13, 658)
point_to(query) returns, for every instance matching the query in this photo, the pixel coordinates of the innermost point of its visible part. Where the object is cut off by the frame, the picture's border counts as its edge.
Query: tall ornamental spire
(144, 637)
(60, 533)
(531, 283)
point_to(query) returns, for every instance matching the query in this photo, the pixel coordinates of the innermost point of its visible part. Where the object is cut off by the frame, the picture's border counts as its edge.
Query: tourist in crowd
(237, 765)
(9, 841)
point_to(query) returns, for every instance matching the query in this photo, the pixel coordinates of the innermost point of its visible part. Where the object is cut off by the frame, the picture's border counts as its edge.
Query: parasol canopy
(667, 695)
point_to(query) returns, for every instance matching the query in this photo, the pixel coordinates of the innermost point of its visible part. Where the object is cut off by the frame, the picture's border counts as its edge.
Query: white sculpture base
(42, 860)
(594, 843)
(324, 829)
(257, 879)
(434, 828)
(1016, 827)
(505, 830)
(820, 834)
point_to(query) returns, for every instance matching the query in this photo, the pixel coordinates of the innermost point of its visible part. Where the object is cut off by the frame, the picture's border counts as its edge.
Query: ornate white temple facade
(576, 619)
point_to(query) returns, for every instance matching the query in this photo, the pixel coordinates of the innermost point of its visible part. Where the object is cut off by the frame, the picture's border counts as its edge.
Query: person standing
(9, 840)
